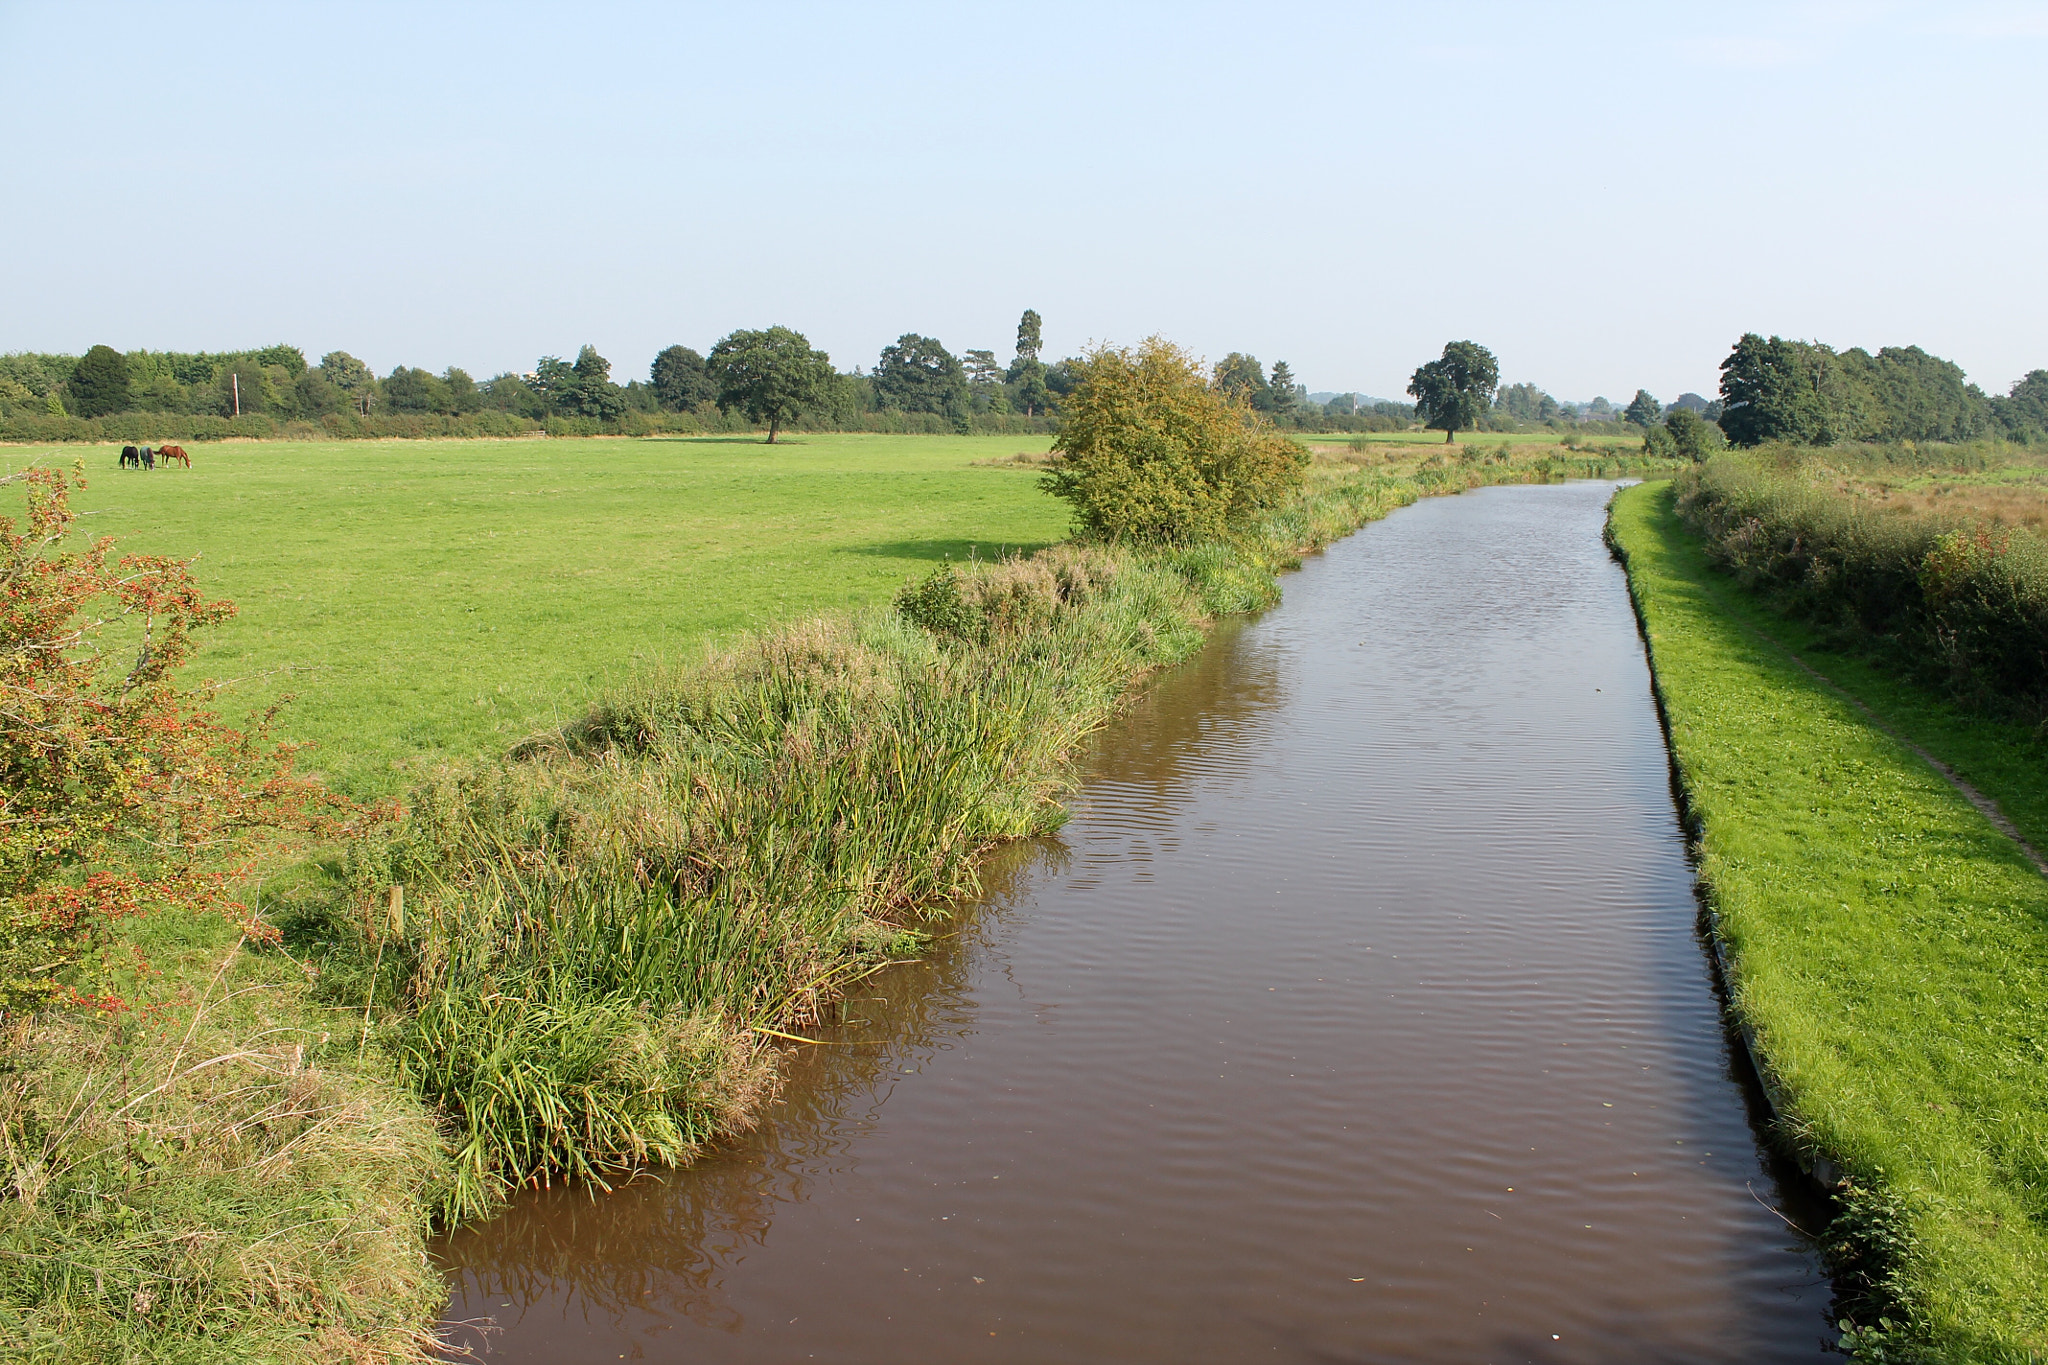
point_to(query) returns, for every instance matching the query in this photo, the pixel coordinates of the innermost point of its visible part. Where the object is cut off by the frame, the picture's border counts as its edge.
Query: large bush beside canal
(1150, 451)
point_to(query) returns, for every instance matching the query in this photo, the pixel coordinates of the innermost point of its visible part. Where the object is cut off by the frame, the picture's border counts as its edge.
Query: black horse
(130, 455)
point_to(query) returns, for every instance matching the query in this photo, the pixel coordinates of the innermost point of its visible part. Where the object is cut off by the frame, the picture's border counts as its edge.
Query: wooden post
(235, 380)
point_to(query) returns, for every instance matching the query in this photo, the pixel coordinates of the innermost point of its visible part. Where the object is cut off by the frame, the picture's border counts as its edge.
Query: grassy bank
(579, 955)
(1887, 947)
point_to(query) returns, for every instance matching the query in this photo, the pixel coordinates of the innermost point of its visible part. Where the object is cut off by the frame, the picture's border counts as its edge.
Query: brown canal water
(1358, 1015)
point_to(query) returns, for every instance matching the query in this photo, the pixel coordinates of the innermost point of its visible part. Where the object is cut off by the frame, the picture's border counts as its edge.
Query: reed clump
(578, 954)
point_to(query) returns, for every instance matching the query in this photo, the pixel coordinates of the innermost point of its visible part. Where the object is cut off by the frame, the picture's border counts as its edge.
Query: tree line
(1771, 389)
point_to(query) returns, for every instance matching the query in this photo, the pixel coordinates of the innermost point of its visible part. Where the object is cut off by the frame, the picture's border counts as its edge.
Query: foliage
(917, 374)
(1284, 394)
(934, 605)
(1240, 378)
(1684, 435)
(679, 379)
(119, 792)
(770, 375)
(1643, 410)
(1964, 604)
(1453, 391)
(1885, 944)
(1148, 451)
(99, 384)
(1807, 394)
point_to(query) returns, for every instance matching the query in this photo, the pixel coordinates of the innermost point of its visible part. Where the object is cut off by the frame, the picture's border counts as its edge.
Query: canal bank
(1885, 953)
(1357, 1013)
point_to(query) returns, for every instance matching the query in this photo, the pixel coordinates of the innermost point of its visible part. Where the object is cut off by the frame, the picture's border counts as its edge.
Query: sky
(1606, 195)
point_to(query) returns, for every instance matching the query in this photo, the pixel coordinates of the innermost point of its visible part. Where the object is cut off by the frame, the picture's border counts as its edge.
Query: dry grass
(208, 1179)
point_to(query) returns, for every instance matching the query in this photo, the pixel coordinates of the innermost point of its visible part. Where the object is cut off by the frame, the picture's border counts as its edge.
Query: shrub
(1149, 451)
(119, 792)
(1964, 603)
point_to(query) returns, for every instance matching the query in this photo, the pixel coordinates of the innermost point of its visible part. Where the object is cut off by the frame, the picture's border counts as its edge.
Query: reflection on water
(1357, 1015)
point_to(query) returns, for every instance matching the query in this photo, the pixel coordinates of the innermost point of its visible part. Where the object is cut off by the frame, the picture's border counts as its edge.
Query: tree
(983, 372)
(1778, 390)
(679, 379)
(99, 384)
(1286, 395)
(917, 374)
(596, 395)
(1693, 437)
(1452, 391)
(1030, 341)
(462, 391)
(1643, 410)
(119, 792)
(344, 371)
(1149, 451)
(414, 390)
(1239, 377)
(771, 375)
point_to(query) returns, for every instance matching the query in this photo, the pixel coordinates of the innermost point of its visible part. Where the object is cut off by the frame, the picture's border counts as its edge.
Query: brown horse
(169, 453)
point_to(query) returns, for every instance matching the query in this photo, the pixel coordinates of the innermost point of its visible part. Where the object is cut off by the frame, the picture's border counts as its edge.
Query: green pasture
(426, 600)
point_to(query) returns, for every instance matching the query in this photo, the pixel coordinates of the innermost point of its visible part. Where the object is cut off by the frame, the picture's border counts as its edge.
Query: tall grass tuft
(211, 1182)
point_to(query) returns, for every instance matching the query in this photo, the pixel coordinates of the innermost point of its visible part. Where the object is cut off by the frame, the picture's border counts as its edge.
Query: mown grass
(1888, 948)
(433, 600)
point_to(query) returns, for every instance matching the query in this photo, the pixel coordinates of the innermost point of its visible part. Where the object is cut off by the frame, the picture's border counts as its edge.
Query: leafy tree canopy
(680, 381)
(1286, 394)
(1148, 450)
(770, 375)
(917, 374)
(1240, 378)
(1452, 391)
(99, 384)
(1643, 410)
(344, 371)
(1030, 338)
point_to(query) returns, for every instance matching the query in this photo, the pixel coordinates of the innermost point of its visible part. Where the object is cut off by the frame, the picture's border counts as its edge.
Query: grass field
(1889, 947)
(435, 599)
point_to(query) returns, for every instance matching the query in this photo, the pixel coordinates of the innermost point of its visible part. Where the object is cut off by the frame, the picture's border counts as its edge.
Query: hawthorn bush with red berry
(120, 791)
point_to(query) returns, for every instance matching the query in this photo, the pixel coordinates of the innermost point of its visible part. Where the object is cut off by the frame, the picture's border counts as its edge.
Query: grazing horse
(130, 455)
(148, 458)
(170, 453)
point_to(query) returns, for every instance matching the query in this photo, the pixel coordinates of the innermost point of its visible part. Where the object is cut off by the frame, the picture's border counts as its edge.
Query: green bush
(1150, 452)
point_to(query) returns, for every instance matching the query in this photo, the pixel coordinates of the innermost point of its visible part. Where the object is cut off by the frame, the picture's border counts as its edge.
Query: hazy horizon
(1605, 195)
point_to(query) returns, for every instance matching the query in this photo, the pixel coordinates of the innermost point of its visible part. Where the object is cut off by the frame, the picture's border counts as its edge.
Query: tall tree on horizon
(99, 385)
(771, 375)
(1452, 391)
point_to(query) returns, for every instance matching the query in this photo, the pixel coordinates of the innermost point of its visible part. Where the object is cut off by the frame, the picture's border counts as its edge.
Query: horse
(130, 455)
(170, 453)
(148, 458)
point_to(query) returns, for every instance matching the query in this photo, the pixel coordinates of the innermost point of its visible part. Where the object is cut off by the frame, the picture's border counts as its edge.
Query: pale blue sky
(1606, 194)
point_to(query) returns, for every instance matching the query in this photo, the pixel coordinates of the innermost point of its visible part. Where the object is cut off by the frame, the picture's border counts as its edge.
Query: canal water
(1359, 1014)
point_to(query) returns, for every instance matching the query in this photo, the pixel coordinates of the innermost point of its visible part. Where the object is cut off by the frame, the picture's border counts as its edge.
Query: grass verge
(1888, 949)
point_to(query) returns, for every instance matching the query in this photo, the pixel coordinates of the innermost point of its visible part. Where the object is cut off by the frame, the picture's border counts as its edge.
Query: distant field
(2014, 494)
(428, 600)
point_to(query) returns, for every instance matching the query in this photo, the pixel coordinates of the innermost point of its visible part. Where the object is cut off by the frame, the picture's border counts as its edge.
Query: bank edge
(1886, 955)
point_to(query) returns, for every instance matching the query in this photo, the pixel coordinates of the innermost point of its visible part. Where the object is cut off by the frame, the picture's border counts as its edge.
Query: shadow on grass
(959, 551)
(743, 438)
